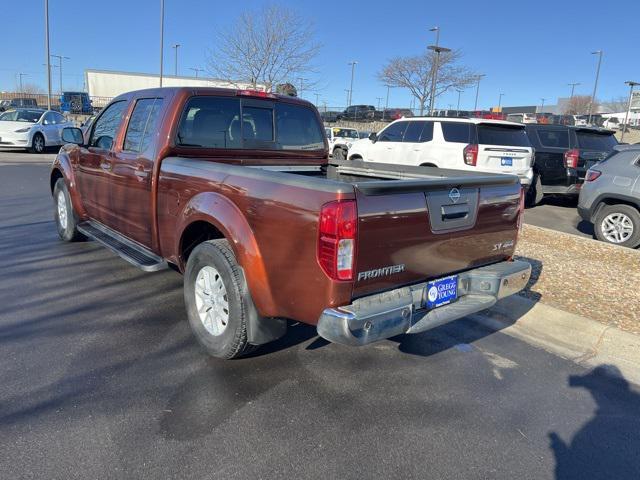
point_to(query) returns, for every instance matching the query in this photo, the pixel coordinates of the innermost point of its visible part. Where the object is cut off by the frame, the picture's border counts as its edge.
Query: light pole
(595, 85)
(301, 80)
(60, 58)
(46, 34)
(434, 73)
(161, 37)
(348, 95)
(626, 115)
(573, 86)
(22, 75)
(353, 66)
(500, 100)
(475, 105)
(176, 47)
(542, 106)
(379, 98)
(317, 99)
(196, 70)
(459, 93)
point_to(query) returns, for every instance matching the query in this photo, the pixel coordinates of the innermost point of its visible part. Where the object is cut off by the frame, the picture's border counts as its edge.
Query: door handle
(105, 165)
(140, 173)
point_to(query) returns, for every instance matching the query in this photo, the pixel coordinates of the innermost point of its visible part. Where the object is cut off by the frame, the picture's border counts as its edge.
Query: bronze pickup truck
(234, 189)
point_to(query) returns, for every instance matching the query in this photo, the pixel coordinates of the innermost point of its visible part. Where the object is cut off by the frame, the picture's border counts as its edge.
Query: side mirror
(72, 135)
(373, 136)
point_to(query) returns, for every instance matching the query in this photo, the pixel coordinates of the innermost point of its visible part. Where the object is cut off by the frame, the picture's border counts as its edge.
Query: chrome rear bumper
(391, 313)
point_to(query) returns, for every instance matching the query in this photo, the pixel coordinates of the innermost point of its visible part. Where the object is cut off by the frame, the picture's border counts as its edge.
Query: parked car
(563, 154)
(75, 102)
(522, 117)
(340, 141)
(330, 116)
(31, 129)
(172, 176)
(610, 197)
(458, 143)
(391, 114)
(18, 103)
(358, 113)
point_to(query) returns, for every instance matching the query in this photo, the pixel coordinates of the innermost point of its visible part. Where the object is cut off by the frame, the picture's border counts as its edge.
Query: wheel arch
(613, 199)
(62, 168)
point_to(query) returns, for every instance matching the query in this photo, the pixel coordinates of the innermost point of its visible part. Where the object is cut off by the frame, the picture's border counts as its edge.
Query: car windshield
(596, 141)
(345, 133)
(29, 116)
(502, 135)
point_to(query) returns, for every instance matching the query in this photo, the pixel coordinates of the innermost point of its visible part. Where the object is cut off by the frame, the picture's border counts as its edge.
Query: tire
(338, 154)
(626, 216)
(534, 193)
(38, 144)
(223, 332)
(64, 214)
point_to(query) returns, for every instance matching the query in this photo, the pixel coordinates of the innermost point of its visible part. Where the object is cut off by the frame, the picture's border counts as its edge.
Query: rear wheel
(338, 154)
(37, 143)
(618, 224)
(217, 300)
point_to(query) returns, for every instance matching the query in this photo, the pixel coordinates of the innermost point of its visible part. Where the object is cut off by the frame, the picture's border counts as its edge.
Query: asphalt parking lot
(101, 378)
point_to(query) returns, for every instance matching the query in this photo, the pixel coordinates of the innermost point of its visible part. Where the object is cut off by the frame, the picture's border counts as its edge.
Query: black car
(563, 154)
(358, 113)
(18, 103)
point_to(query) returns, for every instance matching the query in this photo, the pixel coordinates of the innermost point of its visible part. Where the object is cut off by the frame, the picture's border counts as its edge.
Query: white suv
(458, 143)
(340, 141)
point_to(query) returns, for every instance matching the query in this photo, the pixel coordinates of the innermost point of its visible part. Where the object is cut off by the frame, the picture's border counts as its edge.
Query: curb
(579, 339)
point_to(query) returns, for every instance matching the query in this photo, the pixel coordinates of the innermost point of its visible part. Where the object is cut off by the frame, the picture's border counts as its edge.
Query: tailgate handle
(454, 212)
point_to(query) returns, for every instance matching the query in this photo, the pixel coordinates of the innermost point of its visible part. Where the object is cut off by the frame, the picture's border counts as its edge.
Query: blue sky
(528, 50)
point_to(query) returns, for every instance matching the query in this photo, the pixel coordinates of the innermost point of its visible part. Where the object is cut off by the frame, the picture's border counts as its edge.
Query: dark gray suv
(610, 197)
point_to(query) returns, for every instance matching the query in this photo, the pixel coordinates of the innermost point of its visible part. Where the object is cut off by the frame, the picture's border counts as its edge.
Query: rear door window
(413, 131)
(393, 133)
(207, 122)
(456, 132)
(297, 128)
(142, 123)
(502, 135)
(595, 141)
(553, 138)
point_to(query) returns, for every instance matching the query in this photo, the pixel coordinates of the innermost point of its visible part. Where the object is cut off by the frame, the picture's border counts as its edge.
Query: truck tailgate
(413, 231)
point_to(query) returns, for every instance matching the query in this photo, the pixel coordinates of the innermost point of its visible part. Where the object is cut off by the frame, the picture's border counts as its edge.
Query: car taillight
(592, 175)
(470, 153)
(255, 93)
(521, 210)
(337, 234)
(571, 158)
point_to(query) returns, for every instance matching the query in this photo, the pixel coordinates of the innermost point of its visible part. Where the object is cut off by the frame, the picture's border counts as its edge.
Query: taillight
(255, 93)
(470, 153)
(571, 158)
(520, 221)
(337, 234)
(592, 175)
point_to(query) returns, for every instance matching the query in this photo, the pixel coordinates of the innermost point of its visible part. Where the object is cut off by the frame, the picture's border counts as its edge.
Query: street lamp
(353, 66)
(475, 105)
(595, 85)
(60, 58)
(500, 100)
(542, 106)
(435, 68)
(573, 86)
(626, 115)
(46, 34)
(20, 74)
(196, 70)
(176, 47)
(348, 95)
(161, 37)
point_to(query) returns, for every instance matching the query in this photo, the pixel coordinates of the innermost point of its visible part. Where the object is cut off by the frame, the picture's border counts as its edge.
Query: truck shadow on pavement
(608, 445)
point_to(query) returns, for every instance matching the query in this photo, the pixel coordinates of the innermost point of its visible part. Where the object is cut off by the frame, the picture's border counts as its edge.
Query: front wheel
(64, 214)
(38, 144)
(217, 300)
(618, 224)
(338, 154)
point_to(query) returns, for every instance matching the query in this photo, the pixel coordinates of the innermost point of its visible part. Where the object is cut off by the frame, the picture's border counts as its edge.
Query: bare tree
(579, 105)
(32, 88)
(616, 105)
(270, 46)
(416, 74)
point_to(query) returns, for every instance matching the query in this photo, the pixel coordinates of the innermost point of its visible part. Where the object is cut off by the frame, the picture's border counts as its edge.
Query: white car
(340, 141)
(31, 128)
(458, 143)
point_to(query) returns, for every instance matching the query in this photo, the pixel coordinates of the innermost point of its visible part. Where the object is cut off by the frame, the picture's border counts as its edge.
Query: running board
(133, 253)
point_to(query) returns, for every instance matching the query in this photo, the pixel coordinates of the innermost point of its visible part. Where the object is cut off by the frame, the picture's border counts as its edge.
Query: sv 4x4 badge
(503, 245)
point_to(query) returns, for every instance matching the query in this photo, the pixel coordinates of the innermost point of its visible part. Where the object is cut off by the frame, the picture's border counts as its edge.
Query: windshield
(345, 133)
(30, 116)
(596, 141)
(502, 135)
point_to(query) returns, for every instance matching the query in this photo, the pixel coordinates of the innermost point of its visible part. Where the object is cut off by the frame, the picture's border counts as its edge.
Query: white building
(109, 84)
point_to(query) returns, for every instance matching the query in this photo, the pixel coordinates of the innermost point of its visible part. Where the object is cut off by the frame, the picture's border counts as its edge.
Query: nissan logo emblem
(454, 195)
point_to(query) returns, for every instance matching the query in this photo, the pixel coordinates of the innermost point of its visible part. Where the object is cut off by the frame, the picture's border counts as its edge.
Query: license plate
(441, 292)
(506, 162)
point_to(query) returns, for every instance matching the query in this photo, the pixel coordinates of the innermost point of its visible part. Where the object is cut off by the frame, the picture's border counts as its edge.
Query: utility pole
(176, 47)
(348, 95)
(386, 103)
(573, 86)
(22, 75)
(60, 58)
(317, 99)
(301, 80)
(500, 100)
(46, 34)
(595, 85)
(196, 70)
(379, 98)
(161, 37)
(475, 105)
(542, 106)
(626, 115)
(353, 67)
(459, 92)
